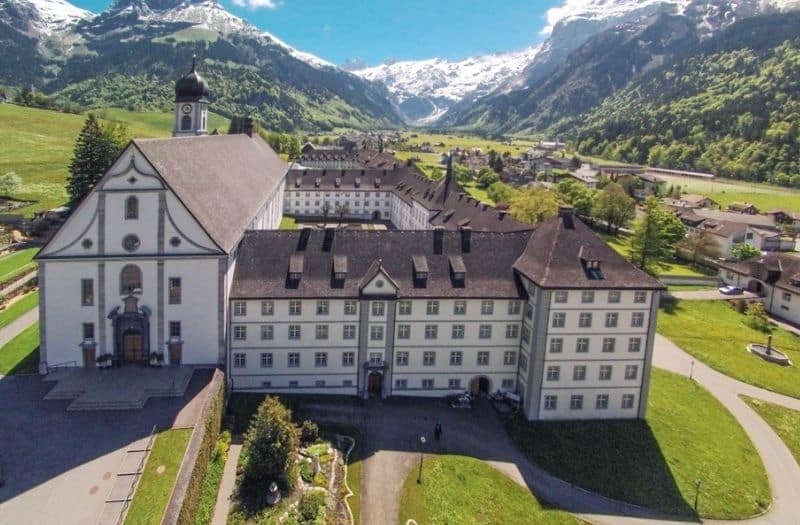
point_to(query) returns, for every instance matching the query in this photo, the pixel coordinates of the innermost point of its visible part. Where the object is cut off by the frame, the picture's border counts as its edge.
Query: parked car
(730, 290)
(462, 400)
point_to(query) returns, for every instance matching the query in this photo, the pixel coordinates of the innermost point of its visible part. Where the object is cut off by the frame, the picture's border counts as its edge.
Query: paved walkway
(17, 326)
(22, 281)
(226, 485)
(711, 295)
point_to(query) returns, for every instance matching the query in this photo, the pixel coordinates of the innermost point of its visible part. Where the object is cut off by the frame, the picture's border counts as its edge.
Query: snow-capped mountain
(41, 18)
(425, 89)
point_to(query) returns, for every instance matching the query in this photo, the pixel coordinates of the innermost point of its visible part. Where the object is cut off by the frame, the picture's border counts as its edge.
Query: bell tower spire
(191, 104)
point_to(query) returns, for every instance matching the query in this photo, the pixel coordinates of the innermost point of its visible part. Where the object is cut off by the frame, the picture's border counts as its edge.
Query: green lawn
(18, 307)
(154, 490)
(688, 435)
(478, 193)
(715, 334)
(784, 421)
(466, 491)
(21, 354)
(690, 288)
(37, 145)
(674, 268)
(288, 223)
(211, 481)
(16, 263)
(725, 191)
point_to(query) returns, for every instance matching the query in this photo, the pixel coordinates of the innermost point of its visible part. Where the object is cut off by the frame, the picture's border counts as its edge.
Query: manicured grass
(675, 268)
(16, 263)
(18, 307)
(688, 435)
(515, 147)
(21, 354)
(690, 288)
(464, 491)
(288, 223)
(724, 191)
(478, 193)
(715, 333)
(784, 421)
(154, 490)
(212, 479)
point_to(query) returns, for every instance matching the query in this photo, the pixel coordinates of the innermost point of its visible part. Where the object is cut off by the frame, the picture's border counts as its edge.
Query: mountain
(130, 55)
(594, 49)
(425, 89)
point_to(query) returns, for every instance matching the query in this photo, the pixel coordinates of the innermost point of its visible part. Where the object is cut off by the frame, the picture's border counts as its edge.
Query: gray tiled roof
(223, 180)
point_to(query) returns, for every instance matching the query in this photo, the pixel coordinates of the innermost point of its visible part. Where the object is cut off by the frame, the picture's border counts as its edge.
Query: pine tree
(96, 149)
(271, 443)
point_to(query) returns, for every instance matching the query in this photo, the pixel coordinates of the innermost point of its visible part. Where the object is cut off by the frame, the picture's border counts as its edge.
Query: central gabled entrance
(131, 332)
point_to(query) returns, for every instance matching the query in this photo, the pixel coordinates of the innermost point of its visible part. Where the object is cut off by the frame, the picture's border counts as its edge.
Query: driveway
(60, 465)
(711, 295)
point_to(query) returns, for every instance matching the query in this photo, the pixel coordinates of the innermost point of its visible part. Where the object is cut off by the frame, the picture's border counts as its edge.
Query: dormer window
(420, 264)
(131, 208)
(591, 263)
(357, 182)
(339, 267)
(458, 269)
(295, 267)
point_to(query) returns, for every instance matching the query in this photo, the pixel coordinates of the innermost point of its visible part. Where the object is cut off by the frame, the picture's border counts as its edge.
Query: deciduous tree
(614, 206)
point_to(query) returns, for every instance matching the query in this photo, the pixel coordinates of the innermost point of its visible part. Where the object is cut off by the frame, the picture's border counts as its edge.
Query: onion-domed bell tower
(191, 104)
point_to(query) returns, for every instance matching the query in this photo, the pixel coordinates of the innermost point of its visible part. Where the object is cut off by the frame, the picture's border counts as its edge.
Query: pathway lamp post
(421, 457)
(697, 484)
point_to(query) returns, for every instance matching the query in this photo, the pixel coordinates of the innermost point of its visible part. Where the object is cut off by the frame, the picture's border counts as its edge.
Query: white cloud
(258, 4)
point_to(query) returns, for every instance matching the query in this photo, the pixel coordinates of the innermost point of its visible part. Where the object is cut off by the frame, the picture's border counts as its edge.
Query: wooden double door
(133, 346)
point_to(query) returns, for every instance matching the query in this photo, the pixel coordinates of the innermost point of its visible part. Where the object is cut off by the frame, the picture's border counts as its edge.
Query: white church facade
(176, 253)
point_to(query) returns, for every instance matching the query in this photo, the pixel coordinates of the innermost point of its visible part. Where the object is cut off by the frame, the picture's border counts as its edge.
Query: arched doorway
(375, 384)
(755, 286)
(376, 215)
(480, 385)
(132, 346)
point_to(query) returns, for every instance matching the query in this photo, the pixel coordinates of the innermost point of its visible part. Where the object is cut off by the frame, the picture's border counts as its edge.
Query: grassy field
(18, 307)
(515, 147)
(466, 491)
(37, 146)
(688, 435)
(714, 333)
(725, 191)
(21, 354)
(784, 421)
(690, 288)
(17, 263)
(673, 268)
(155, 488)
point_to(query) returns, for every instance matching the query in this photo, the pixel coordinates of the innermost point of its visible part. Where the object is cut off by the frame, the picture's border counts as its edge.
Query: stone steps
(89, 402)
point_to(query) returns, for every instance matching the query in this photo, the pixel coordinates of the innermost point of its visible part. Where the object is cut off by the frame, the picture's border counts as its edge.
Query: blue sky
(376, 30)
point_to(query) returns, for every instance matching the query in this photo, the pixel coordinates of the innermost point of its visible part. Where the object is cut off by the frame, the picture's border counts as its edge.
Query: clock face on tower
(186, 108)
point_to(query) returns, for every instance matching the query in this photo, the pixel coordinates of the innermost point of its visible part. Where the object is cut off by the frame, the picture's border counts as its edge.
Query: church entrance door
(132, 345)
(374, 384)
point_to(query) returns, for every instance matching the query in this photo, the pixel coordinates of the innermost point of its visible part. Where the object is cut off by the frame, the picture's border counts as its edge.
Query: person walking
(437, 431)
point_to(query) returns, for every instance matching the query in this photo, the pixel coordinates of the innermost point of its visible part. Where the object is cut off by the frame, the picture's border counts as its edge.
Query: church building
(176, 257)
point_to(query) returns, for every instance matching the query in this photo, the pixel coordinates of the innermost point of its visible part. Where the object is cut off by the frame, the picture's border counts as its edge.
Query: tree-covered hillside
(730, 106)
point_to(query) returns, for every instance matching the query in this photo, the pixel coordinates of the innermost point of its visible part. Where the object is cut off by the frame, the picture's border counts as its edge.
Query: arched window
(186, 123)
(130, 279)
(131, 208)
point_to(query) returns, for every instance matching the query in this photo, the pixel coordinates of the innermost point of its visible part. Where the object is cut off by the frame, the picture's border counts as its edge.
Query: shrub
(740, 305)
(309, 432)
(757, 317)
(310, 506)
(305, 471)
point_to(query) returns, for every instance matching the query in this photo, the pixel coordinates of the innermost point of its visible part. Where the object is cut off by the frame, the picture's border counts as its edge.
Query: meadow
(725, 191)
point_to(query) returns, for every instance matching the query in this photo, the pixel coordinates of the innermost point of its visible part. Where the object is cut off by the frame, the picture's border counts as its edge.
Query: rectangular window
(605, 372)
(454, 384)
(267, 308)
(174, 329)
(404, 308)
(609, 344)
(239, 360)
(432, 308)
(295, 308)
(266, 360)
(401, 358)
(294, 332)
(348, 358)
(321, 359)
(523, 362)
(576, 402)
(400, 384)
(553, 373)
(349, 331)
(587, 297)
(378, 308)
(514, 307)
(239, 308)
(640, 297)
(88, 331)
(637, 319)
(431, 331)
(550, 402)
(376, 333)
(602, 402)
(293, 360)
(526, 334)
(585, 320)
(612, 318)
(174, 290)
(319, 383)
(347, 382)
(787, 297)
(404, 331)
(579, 373)
(240, 333)
(294, 384)
(87, 292)
(512, 331)
(458, 331)
(456, 358)
(321, 331)
(582, 345)
(375, 358)
(510, 357)
(485, 331)
(323, 307)
(350, 307)
(528, 311)
(560, 297)
(427, 384)
(559, 319)
(556, 345)
(429, 358)
(483, 358)
(487, 307)
(631, 372)
(507, 384)
(635, 344)
(627, 401)
(267, 332)
(460, 308)
(613, 297)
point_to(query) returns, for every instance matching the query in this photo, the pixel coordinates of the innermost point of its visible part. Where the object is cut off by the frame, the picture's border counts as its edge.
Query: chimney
(565, 213)
(501, 214)
(484, 206)
(327, 241)
(247, 126)
(438, 239)
(466, 239)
